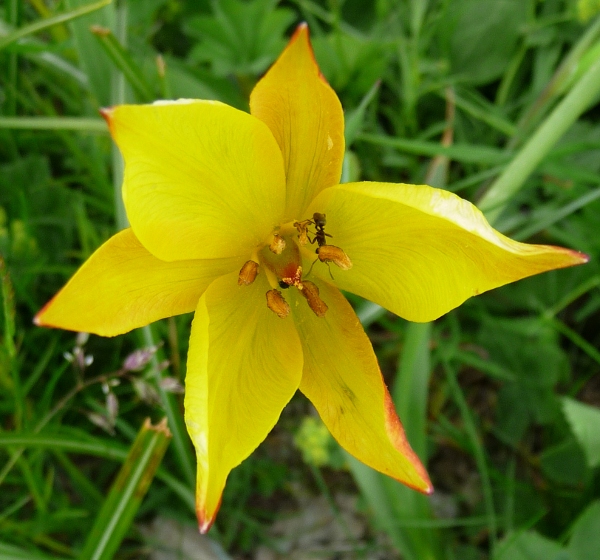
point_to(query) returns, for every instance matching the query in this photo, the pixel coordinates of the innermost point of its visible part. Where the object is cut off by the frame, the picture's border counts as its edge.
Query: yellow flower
(226, 210)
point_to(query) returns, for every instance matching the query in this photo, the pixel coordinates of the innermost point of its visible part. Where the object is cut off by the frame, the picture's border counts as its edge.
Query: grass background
(496, 100)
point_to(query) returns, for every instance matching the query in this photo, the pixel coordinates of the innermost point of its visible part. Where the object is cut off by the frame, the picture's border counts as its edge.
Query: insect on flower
(232, 189)
(325, 253)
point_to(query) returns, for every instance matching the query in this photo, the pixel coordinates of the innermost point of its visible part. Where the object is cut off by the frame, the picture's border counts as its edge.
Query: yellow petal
(244, 365)
(421, 252)
(342, 379)
(202, 180)
(306, 118)
(122, 287)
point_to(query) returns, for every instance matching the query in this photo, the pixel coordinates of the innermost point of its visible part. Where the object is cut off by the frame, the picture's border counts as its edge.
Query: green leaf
(126, 493)
(564, 463)
(578, 100)
(354, 119)
(482, 35)
(123, 61)
(55, 123)
(96, 66)
(529, 545)
(242, 38)
(466, 153)
(40, 25)
(351, 63)
(585, 537)
(8, 306)
(585, 423)
(10, 552)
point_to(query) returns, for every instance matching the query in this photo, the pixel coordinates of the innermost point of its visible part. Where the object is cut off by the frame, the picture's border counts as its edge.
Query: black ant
(319, 220)
(333, 254)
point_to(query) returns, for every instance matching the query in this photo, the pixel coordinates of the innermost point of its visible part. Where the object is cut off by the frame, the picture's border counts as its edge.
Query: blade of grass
(477, 450)
(12, 17)
(8, 305)
(126, 493)
(395, 507)
(558, 81)
(10, 552)
(93, 446)
(181, 441)
(123, 61)
(96, 126)
(354, 119)
(410, 393)
(43, 24)
(485, 114)
(91, 59)
(557, 215)
(575, 338)
(372, 487)
(466, 153)
(538, 146)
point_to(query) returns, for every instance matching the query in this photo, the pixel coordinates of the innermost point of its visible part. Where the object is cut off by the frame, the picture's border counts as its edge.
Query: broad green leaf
(529, 545)
(585, 423)
(482, 36)
(242, 38)
(564, 463)
(585, 536)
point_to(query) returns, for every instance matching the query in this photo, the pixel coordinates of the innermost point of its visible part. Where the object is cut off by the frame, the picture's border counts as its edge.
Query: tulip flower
(241, 218)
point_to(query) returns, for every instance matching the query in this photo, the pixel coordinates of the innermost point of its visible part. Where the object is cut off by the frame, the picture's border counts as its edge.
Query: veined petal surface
(202, 179)
(342, 379)
(122, 287)
(420, 251)
(244, 365)
(306, 118)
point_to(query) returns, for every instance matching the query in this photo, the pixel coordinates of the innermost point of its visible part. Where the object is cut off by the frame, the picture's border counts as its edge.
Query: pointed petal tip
(580, 258)
(573, 257)
(425, 488)
(303, 32)
(106, 113)
(38, 319)
(206, 519)
(416, 476)
(205, 526)
(424, 485)
(300, 29)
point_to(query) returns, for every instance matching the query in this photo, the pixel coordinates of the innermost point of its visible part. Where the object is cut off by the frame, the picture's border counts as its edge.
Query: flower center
(280, 258)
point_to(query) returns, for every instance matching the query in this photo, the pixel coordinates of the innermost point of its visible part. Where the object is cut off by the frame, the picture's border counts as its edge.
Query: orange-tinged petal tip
(302, 33)
(206, 519)
(397, 437)
(106, 113)
(577, 256)
(39, 317)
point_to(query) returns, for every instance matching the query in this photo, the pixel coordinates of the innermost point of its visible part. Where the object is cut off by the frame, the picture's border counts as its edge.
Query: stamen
(331, 253)
(311, 292)
(248, 273)
(302, 228)
(277, 244)
(277, 304)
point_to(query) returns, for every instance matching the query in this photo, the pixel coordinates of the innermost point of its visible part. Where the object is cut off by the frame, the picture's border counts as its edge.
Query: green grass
(494, 99)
